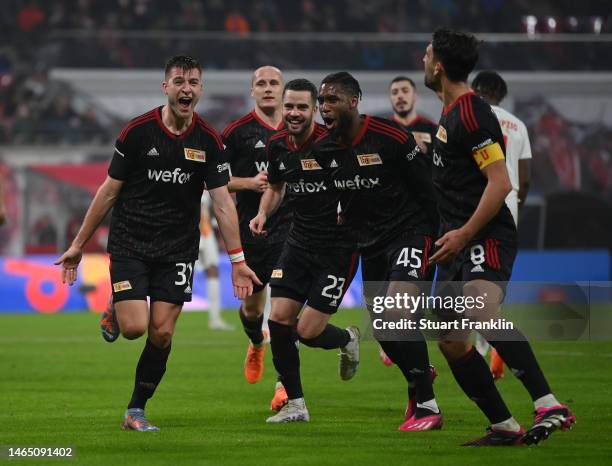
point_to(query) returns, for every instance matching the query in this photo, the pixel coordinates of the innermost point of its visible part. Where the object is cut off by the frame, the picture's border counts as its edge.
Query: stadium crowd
(304, 15)
(134, 33)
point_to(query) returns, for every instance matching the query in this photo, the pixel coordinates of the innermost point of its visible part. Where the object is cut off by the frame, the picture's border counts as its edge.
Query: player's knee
(308, 332)
(252, 310)
(131, 331)
(281, 319)
(454, 350)
(161, 337)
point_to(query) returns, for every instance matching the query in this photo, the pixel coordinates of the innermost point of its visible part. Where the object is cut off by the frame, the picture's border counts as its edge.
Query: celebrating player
(403, 96)
(318, 260)
(478, 244)
(246, 140)
(155, 181)
(388, 203)
(493, 89)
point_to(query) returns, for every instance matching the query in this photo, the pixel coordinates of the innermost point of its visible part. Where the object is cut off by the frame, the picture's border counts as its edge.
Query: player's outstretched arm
(227, 218)
(493, 198)
(257, 183)
(102, 202)
(268, 204)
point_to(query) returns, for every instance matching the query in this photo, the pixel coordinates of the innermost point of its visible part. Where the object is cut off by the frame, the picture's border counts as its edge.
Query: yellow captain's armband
(488, 154)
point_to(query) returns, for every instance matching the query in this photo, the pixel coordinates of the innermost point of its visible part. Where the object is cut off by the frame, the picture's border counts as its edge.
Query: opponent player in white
(209, 262)
(493, 89)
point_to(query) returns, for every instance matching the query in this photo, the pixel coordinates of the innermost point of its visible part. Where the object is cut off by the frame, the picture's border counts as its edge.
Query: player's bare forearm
(524, 179)
(237, 183)
(493, 198)
(227, 218)
(103, 201)
(271, 199)
(258, 183)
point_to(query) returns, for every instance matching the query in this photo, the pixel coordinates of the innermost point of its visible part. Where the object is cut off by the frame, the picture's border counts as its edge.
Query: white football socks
(214, 299)
(430, 405)
(509, 425)
(546, 401)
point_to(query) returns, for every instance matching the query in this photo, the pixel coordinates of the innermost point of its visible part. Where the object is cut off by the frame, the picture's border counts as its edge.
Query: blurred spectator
(43, 232)
(235, 22)
(30, 17)
(37, 109)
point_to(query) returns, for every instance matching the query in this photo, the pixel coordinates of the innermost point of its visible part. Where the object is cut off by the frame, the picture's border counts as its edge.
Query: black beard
(303, 131)
(433, 85)
(403, 113)
(343, 126)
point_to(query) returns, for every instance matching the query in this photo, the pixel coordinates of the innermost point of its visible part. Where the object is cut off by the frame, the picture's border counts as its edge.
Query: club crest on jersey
(122, 286)
(441, 134)
(195, 155)
(310, 164)
(365, 160)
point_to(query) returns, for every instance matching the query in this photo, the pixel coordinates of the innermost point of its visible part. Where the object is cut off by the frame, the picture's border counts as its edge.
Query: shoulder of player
(423, 120)
(474, 113)
(208, 130)
(504, 114)
(387, 129)
(135, 123)
(277, 141)
(235, 124)
(320, 133)
(278, 136)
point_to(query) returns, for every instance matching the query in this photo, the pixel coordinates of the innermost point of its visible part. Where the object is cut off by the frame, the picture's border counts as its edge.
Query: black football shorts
(262, 258)
(482, 259)
(405, 259)
(317, 279)
(133, 278)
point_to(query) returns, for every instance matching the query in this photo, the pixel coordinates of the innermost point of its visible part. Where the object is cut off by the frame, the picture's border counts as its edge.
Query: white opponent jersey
(517, 148)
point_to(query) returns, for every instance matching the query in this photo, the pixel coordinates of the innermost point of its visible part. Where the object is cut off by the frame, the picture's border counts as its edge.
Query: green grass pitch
(61, 384)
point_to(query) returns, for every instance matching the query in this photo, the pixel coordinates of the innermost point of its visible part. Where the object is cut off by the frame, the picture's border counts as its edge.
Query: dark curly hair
(346, 80)
(491, 86)
(457, 51)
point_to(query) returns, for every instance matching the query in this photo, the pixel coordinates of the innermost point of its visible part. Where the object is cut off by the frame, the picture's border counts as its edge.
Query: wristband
(236, 256)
